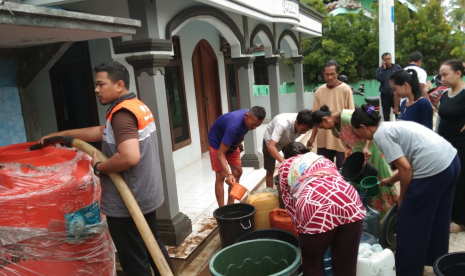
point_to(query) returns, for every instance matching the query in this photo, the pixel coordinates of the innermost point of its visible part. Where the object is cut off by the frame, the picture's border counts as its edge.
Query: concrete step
(199, 266)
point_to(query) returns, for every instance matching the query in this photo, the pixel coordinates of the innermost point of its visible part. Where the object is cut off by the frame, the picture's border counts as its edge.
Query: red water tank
(50, 222)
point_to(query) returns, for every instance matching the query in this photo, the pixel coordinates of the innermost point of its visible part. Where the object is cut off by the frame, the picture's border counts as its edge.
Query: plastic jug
(327, 262)
(372, 221)
(367, 238)
(279, 218)
(373, 260)
(264, 203)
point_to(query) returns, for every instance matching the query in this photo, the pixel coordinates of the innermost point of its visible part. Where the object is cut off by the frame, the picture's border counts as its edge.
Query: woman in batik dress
(339, 123)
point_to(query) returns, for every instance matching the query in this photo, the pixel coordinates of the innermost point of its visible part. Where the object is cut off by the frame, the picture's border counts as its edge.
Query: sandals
(455, 228)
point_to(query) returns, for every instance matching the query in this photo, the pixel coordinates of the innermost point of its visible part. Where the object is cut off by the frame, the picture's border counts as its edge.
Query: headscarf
(299, 175)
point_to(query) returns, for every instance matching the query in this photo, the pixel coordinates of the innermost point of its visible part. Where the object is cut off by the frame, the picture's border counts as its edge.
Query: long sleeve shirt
(383, 75)
(337, 99)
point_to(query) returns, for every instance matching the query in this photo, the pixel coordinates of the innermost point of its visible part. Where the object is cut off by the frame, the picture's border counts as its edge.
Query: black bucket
(275, 234)
(234, 220)
(451, 264)
(356, 168)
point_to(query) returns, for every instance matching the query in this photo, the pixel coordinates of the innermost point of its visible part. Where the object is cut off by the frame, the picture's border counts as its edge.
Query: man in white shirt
(414, 62)
(282, 130)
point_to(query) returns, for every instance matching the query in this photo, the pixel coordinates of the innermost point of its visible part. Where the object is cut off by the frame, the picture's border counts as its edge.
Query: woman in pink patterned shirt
(325, 209)
(339, 123)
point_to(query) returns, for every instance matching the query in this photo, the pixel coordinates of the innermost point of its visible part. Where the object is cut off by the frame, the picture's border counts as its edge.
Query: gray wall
(288, 103)
(44, 98)
(100, 52)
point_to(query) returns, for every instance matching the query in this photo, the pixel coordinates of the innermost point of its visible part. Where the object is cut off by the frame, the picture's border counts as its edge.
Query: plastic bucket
(450, 264)
(274, 234)
(356, 168)
(257, 257)
(370, 183)
(234, 221)
(238, 191)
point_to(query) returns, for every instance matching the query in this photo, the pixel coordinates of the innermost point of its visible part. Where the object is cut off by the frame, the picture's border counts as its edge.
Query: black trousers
(458, 209)
(344, 241)
(423, 221)
(134, 256)
(331, 154)
(387, 102)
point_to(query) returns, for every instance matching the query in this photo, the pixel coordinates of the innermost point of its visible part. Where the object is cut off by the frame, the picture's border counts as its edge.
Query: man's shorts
(270, 162)
(233, 159)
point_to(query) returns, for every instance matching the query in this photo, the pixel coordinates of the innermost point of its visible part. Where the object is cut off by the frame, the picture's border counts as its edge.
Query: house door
(207, 89)
(73, 90)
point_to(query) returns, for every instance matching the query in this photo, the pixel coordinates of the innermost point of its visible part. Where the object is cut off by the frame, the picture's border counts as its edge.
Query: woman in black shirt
(451, 126)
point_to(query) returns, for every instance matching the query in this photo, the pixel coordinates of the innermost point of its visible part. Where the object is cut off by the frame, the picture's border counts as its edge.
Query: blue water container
(327, 262)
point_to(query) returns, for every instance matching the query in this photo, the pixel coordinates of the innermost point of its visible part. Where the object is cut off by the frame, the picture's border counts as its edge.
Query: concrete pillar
(299, 82)
(149, 71)
(146, 12)
(386, 35)
(386, 29)
(274, 82)
(244, 66)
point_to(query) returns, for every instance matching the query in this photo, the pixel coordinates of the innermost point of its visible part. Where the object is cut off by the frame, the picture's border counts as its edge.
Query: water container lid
(19, 153)
(261, 196)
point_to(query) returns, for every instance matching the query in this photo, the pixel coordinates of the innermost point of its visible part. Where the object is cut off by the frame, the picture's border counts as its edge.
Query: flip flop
(455, 228)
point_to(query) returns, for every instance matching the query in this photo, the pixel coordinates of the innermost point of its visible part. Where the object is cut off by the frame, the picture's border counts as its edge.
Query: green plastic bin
(256, 258)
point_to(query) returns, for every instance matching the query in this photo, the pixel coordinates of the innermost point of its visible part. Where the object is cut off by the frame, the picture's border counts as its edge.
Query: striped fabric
(324, 204)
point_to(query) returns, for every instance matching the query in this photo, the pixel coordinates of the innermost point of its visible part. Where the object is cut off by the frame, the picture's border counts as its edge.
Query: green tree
(346, 39)
(353, 40)
(426, 31)
(456, 13)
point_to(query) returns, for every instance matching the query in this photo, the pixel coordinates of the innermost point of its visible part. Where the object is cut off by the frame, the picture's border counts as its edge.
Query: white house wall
(263, 101)
(166, 10)
(189, 36)
(285, 11)
(308, 24)
(252, 24)
(308, 100)
(288, 49)
(237, 18)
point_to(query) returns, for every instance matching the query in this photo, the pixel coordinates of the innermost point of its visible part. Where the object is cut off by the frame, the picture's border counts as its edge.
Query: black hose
(53, 140)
